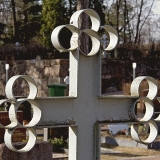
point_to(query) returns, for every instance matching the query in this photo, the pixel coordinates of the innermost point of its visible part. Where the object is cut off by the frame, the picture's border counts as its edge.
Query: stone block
(47, 63)
(21, 68)
(57, 61)
(56, 70)
(59, 70)
(64, 61)
(54, 80)
(35, 75)
(47, 71)
(53, 62)
(24, 84)
(2, 91)
(43, 83)
(3, 76)
(33, 61)
(27, 62)
(43, 94)
(2, 68)
(52, 71)
(39, 64)
(41, 151)
(39, 87)
(61, 61)
(30, 69)
(63, 71)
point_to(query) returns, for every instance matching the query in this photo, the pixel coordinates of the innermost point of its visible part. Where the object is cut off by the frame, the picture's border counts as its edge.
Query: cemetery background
(109, 88)
(117, 74)
(55, 71)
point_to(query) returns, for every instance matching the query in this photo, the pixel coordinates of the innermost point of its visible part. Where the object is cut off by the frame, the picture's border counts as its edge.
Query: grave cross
(85, 108)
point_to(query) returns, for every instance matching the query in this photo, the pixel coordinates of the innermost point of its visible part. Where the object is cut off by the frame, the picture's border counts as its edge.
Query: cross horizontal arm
(66, 110)
(56, 111)
(115, 109)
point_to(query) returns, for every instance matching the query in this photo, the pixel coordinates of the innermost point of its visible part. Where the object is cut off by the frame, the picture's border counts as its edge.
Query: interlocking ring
(92, 33)
(12, 115)
(152, 136)
(30, 144)
(148, 101)
(15, 103)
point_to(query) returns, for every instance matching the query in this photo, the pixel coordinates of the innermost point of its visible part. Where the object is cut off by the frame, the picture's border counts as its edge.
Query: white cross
(84, 109)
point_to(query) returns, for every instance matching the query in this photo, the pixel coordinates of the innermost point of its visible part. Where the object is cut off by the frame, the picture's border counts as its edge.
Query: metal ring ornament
(95, 19)
(15, 103)
(32, 87)
(30, 144)
(95, 42)
(12, 115)
(152, 136)
(148, 101)
(158, 118)
(36, 112)
(112, 36)
(92, 33)
(152, 84)
(55, 37)
(149, 109)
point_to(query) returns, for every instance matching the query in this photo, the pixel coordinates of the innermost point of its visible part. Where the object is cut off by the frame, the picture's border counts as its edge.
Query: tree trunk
(25, 13)
(83, 24)
(138, 22)
(125, 19)
(14, 21)
(117, 14)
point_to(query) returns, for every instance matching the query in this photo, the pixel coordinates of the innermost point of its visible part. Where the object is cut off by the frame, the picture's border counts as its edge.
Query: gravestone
(19, 134)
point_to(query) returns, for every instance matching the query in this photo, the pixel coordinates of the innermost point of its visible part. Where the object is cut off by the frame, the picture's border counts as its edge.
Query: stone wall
(115, 73)
(44, 72)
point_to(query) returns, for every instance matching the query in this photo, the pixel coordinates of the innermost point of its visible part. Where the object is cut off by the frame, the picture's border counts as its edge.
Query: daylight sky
(156, 7)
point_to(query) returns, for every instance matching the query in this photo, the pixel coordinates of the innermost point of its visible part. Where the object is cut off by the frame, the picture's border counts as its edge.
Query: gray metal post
(7, 68)
(134, 69)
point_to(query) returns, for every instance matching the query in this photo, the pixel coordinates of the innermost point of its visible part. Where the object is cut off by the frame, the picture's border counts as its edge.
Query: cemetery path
(128, 153)
(141, 158)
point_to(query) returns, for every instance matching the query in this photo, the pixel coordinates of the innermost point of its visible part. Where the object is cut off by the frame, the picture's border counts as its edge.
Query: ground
(117, 153)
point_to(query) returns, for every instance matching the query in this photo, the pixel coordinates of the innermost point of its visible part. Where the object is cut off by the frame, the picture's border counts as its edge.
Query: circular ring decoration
(30, 81)
(76, 32)
(152, 136)
(30, 144)
(12, 115)
(148, 100)
(95, 42)
(153, 89)
(95, 19)
(55, 38)
(158, 118)
(9, 129)
(113, 36)
(36, 112)
(149, 110)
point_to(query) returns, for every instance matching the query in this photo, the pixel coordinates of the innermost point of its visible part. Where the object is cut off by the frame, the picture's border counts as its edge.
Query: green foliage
(54, 13)
(30, 25)
(58, 143)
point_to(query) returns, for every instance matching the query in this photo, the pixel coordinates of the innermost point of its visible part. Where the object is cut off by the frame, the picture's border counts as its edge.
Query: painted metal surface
(15, 103)
(148, 101)
(85, 108)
